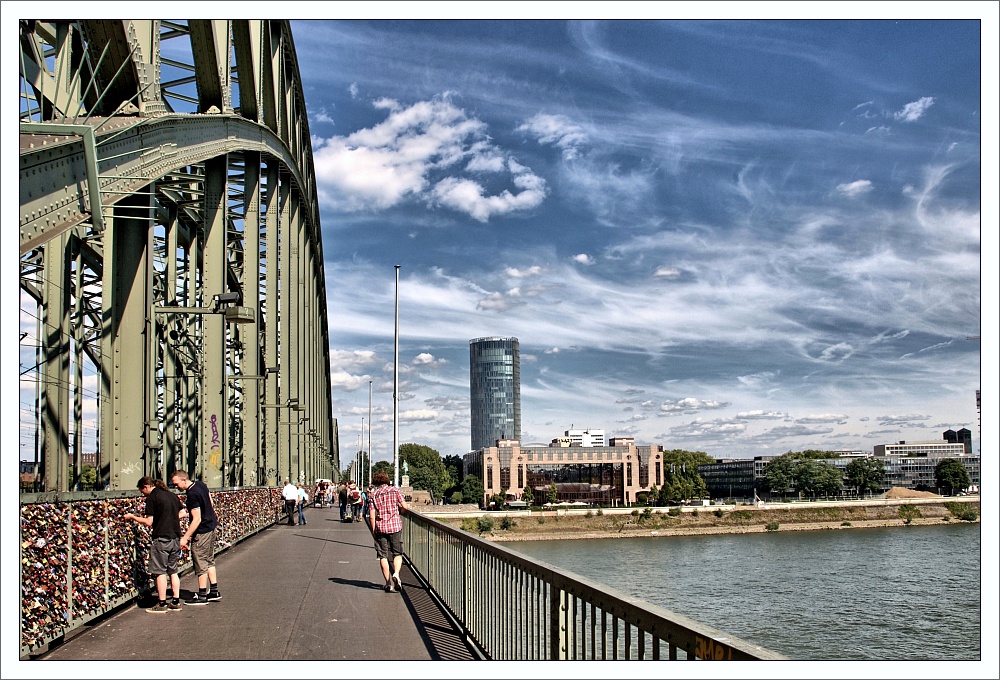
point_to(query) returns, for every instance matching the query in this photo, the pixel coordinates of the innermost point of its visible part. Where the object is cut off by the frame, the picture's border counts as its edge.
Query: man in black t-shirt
(201, 534)
(162, 514)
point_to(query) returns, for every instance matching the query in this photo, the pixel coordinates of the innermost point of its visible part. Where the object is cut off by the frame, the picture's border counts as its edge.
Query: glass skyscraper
(495, 390)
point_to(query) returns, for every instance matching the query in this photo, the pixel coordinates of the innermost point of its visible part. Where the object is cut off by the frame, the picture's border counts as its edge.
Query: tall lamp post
(369, 431)
(395, 392)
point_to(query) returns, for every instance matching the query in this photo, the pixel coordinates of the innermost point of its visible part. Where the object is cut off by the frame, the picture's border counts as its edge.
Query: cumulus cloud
(783, 431)
(420, 153)
(557, 130)
(583, 258)
(914, 110)
(442, 403)
(353, 90)
(498, 302)
(855, 188)
(513, 272)
(759, 415)
(469, 196)
(701, 428)
(838, 418)
(552, 350)
(321, 116)
(901, 419)
(427, 360)
(690, 405)
(348, 360)
(345, 381)
(418, 415)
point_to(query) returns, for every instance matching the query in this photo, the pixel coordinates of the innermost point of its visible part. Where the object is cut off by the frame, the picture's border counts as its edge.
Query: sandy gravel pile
(897, 492)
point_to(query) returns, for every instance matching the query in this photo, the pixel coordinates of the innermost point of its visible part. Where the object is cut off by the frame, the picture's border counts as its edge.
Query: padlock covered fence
(80, 559)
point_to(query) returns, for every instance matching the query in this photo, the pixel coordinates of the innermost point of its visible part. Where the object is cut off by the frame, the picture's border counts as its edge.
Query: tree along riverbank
(707, 520)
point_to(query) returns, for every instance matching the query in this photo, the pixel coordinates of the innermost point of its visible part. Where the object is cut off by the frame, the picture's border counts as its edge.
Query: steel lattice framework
(171, 258)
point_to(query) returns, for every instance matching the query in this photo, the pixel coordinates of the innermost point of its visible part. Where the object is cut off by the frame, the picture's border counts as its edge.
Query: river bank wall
(563, 524)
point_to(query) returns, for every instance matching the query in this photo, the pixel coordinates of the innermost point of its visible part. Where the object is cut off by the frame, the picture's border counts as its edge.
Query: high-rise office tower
(495, 390)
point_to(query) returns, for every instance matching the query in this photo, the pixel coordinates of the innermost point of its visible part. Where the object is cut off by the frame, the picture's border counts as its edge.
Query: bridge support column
(123, 345)
(214, 416)
(55, 365)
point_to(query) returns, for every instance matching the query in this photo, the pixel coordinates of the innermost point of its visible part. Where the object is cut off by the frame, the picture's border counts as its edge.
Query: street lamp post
(395, 391)
(369, 432)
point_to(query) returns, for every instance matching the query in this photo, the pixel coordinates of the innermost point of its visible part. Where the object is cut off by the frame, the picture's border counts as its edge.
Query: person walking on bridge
(387, 527)
(291, 495)
(303, 498)
(344, 501)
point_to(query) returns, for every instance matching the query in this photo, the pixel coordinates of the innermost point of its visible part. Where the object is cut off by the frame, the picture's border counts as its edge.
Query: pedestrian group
(380, 504)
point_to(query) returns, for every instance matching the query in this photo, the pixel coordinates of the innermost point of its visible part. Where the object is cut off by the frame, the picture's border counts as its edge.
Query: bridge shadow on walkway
(308, 592)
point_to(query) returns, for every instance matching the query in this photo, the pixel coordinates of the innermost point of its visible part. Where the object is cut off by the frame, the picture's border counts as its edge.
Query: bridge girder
(163, 164)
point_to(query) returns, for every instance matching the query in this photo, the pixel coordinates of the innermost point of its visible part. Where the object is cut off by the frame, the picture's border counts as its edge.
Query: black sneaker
(196, 599)
(213, 596)
(159, 608)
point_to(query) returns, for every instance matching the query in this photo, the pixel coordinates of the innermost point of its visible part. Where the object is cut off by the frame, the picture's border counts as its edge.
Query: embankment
(662, 522)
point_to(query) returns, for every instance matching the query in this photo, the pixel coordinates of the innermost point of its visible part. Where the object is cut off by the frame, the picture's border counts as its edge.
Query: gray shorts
(203, 551)
(388, 546)
(164, 553)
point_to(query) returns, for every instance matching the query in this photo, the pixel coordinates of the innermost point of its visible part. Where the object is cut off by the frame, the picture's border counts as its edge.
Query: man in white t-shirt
(291, 495)
(303, 498)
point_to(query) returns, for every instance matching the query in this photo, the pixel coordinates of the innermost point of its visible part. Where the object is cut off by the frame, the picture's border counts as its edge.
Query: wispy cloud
(914, 110)
(690, 405)
(558, 130)
(855, 188)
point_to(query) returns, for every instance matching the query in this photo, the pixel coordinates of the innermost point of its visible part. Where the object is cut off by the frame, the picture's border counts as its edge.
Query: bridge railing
(513, 607)
(79, 559)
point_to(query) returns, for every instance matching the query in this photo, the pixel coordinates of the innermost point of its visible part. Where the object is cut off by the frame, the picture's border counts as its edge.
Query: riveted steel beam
(133, 215)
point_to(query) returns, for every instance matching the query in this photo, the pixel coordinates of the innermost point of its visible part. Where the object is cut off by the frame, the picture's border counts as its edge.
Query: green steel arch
(173, 304)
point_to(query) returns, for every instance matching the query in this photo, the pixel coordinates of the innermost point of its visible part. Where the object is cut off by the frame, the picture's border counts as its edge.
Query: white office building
(921, 449)
(589, 438)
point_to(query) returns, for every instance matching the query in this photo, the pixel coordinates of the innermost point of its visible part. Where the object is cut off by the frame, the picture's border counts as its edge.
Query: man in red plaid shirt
(387, 527)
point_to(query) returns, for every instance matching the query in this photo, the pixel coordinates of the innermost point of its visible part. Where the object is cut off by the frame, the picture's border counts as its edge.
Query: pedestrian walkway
(307, 592)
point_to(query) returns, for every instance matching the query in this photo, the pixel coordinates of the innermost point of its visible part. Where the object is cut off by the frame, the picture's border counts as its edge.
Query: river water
(904, 593)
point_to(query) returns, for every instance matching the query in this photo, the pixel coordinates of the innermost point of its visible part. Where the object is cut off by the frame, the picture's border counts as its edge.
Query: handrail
(514, 607)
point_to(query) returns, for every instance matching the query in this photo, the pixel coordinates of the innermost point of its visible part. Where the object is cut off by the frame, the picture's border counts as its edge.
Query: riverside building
(494, 390)
(608, 475)
(908, 465)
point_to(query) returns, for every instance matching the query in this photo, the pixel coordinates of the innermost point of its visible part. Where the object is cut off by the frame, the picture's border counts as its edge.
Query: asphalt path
(306, 592)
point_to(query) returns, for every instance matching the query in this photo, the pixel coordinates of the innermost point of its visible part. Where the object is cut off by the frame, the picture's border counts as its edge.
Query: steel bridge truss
(173, 305)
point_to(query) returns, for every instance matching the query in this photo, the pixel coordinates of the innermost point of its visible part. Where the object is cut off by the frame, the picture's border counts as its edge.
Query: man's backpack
(355, 495)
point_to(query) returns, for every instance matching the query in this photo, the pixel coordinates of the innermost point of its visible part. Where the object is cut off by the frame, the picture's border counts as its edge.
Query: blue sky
(737, 237)
(741, 237)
